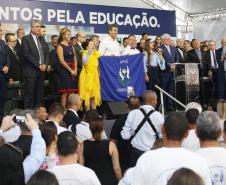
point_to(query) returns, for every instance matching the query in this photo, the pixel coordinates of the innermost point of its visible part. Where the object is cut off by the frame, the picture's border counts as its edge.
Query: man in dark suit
(221, 71)
(170, 56)
(36, 58)
(4, 68)
(81, 38)
(182, 55)
(15, 68)
(71, 117)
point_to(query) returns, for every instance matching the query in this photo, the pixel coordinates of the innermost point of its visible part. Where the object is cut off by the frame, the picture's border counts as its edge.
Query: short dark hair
(93, 36)
(66, 143)
(133, 102)
(48, 131)
(55, 109)
(96, 127)
(124, 38)
(144, 33)
(43, 26)
(43, 177)
(72, 38)
(7, 36)
(185, 176)
(192, 115)
(111, 26)
(91, 114)
(176, 126)
(131, 35)
(53, 36)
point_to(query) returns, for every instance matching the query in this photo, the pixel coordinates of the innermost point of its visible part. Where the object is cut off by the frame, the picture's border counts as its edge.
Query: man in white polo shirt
(110, 46)
(131, 49)
(208, 131)
(155, 167)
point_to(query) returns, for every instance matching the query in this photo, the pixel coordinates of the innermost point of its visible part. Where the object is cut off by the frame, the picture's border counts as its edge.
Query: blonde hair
(62, 32)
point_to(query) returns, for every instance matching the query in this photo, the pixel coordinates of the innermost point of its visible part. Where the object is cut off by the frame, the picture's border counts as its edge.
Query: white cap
(194, 105)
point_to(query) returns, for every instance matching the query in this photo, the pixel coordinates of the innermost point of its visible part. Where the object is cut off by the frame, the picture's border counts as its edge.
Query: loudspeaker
(112, 110)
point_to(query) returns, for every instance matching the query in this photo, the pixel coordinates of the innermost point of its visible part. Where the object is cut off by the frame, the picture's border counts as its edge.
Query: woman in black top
(102, 155)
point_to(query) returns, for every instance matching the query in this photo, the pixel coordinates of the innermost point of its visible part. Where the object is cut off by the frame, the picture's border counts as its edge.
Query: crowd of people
(54, 145)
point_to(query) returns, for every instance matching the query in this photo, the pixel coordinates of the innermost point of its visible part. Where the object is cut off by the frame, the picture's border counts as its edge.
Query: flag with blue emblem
(119, 75)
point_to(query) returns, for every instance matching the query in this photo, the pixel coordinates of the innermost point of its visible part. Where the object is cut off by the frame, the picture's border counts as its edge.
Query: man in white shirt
(69, 172)
(208, 131)
(110, 46)
(56, 113)
(155, 167)
(145, 137)
(192, 141)
(131, 49)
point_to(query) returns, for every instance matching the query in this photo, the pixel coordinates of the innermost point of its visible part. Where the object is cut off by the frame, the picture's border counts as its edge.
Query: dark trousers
(219, 82)
(135, 154)
(153, 77)
(167, 84)
(2, 94)
(34, 88)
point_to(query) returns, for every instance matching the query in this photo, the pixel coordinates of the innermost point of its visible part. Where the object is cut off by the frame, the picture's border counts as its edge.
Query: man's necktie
(41, 61)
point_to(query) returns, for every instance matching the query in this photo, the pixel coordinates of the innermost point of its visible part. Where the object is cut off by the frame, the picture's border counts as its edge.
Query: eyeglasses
(14, 147)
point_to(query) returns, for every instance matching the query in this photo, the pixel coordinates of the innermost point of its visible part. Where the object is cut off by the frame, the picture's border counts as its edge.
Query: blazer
(4, 60)
(70, 118)
(184, 58)
(218, 56)
(171, 57)
(193, 57)
(78, 53)
(15, 67)
(31, 55)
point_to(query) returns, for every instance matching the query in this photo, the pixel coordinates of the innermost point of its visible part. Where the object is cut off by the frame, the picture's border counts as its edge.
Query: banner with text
(137, 20)
(121, 77)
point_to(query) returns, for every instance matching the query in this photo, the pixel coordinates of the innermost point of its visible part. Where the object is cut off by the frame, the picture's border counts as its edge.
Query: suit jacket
(218, 56)
(184, 58)
(31, 55)
(70, 118)
(193, 57)
(4, 60)
(15, 67)
(171, 57)
(78, 54)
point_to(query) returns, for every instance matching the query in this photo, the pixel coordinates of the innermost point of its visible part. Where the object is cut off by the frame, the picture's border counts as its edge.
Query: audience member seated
(208, 131)
(25, 139)
(102, 155)
(156, 166)
(191, 142)
(185, 176)
(43, 177)
(73, 104)
(123, 146)
(56, 113)
(146, 136)
(69, 172)
(41, 114)
(49, 134)
(14, 169)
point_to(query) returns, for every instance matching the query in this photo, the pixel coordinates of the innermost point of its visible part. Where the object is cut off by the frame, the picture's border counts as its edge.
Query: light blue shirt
(154, 62)
(38, 151)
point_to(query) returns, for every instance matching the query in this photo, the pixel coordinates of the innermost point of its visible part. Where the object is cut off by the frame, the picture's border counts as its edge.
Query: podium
(187, 83)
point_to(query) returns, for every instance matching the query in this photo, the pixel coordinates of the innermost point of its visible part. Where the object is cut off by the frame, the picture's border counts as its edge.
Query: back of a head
(11, 165)
(23, 127)
(91, 114)
(96, 127)
(72, 100)
(49, 132)
(66, 143)
(56, 109)
(176, 126)
(192, 115)
(133, 102)
(185, 176)
(43, 177)
(147, 96)
(208, 126)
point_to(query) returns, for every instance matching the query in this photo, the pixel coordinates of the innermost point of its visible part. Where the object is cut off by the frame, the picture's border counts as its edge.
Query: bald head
(81, 37)
(74, 102)
(149, 98)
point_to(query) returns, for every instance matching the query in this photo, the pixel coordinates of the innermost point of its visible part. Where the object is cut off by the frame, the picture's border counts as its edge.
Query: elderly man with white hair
(208, 131)
(167, 76)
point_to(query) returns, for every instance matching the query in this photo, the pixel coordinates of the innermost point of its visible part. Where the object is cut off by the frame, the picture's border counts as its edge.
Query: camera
(19, 119)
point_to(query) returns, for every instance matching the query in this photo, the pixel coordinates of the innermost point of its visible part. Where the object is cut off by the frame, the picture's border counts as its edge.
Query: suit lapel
(33, 44)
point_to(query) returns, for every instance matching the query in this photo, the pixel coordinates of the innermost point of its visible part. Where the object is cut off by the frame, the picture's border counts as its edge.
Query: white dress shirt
(168, 48)
(36, 43)
(145, 138)
(37, 155)
(59, 128)
(216, 160)
(130, 51)
(213, 57)
(155, 167)
(74, 174)
(109, 47)
(191, 142)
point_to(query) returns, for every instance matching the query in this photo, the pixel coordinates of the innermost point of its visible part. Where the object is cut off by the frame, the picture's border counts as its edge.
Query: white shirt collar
(74, 112)
(111, 38)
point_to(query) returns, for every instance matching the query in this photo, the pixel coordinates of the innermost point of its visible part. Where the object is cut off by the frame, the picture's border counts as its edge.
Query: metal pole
(161, 97)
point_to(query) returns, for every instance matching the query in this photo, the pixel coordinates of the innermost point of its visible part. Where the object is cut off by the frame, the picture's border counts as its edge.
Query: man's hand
(5, 69)
(146, 78)
(42, 67)
(7, 123)
(30, 122)
(172, 68)
(210, 74)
